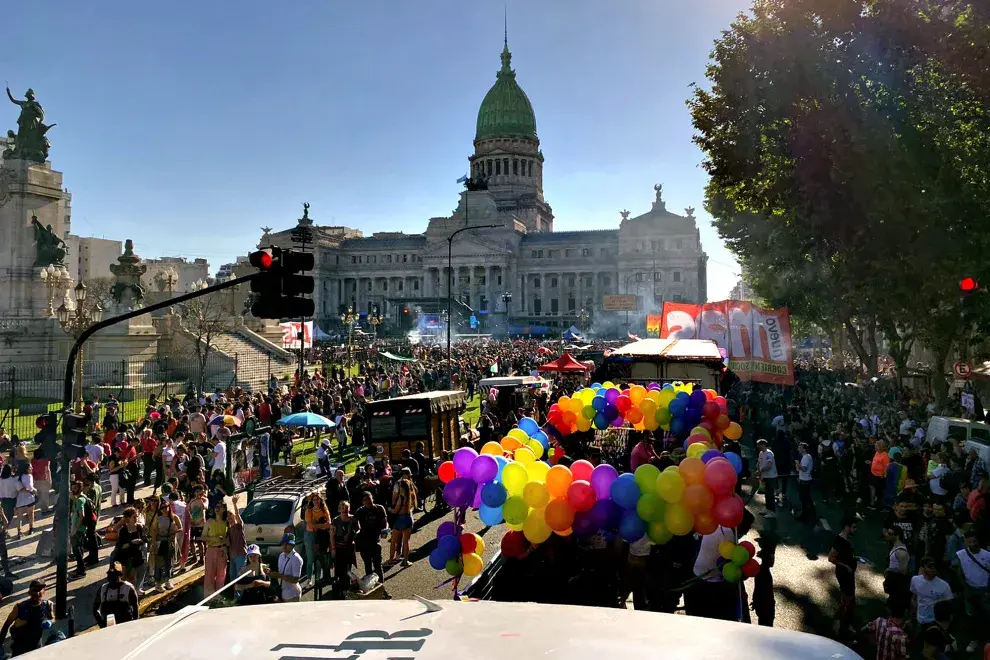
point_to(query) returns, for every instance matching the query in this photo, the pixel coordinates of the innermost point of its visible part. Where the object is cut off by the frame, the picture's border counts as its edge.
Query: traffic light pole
(62, 506)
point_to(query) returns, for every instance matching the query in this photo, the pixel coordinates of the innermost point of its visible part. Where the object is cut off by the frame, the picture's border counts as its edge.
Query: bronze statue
(51, 249)
(8, 152)
(30, 143)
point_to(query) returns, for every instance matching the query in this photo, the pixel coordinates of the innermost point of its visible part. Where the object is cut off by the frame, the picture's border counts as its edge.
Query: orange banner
(653, 323)
(756, 340)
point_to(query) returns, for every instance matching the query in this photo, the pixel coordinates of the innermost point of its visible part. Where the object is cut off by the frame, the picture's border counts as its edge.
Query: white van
(276, 505)
(976, 435)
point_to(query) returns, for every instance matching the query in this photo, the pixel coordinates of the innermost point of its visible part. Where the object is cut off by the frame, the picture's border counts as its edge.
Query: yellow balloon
(519, 435)
(536, 495)
(665, 397)
(538, 471)
(678, 520)
(514, 478)
(524, 455)
(725, 549)
(472, 564)
(649, 408)
(658, 533)
(670, 486)
(492, 449)
(515, 528)
(586, 395)
(650, 423)
(697, 450)
(654, 396)
(536, 529)
(583, 424)
(479, 548)
(536, 448)
(608, 385)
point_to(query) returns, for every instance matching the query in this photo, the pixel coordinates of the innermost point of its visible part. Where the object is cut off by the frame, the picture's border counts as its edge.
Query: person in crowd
(116, 597)
(29, 620)
(927, 589)
(238, 542)
(767, 470)
(643, 452)
(973, 563)
(116, 466)
(196, 509)
(10, 485)
(42, 473)
(290, 569)
(129, 546)
(164, 528)
(403, 502)
(372, 520)
(764, 604)
(317, 534)
(897, 577)
(844, 559)
(94, 495)
(254, 581)
(27, 495)
(804, 467)
(342, 547)
(216, 539)
(888, 632)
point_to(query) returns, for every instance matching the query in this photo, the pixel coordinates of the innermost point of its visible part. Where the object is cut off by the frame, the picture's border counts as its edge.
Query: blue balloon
(677, 408)
(610, 412)
(438, 561)
(710, 454)
(599, 403)
(600, 421)
(529, 426)
(490, 515)
(625, 491)
(606, 514)
(542, 438)
(679, 428)
(596, 386)
(493, 494)
(667, 386)
(683, 396)
(736, 461)
(631, 526)
(698, 399)
(448, 547)
(502, 462)
(692, 416)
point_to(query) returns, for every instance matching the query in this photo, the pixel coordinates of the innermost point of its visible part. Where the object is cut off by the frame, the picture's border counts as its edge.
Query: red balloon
(582, 470)
(468, 543)
(722, 404)
(568, 417)
(553, 408)
(728, 511)
(710, 410)
(710, 395)
(751, 568)
(623, 403)
(446, 472)
(697, 437)
(750, 548)
(720, 477)
(514, 544)
(704, 524)
(581, 495)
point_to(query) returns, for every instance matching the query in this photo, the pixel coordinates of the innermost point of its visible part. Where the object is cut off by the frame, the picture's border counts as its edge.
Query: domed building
(509, 271)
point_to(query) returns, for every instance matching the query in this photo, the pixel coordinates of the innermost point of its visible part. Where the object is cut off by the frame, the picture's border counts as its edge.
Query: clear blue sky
(189, 125)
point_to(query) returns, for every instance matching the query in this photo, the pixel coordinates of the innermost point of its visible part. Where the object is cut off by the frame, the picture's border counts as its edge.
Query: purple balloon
(463, 459)
(601, 480)
(583, 524)
(446, 528)
(698, 399)
(611, 394)
(710, 454)
(484, 469)
(459, 492)
(618, 422)
(606, 514)
(476, 501)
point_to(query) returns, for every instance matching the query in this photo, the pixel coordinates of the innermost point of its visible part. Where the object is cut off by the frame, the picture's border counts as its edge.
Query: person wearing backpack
(116, 597)
(81, 515)
(29, 620)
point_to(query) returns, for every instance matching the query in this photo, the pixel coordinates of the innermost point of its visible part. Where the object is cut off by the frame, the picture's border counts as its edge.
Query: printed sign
(290, 335)
(962, 370)
(619, 303)
(756, 340)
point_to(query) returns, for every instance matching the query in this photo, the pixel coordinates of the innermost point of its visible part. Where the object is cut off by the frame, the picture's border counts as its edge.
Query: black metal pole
(62, 506)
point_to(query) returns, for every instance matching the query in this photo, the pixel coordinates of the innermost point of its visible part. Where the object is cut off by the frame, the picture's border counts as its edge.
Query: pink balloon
(720, 477)
(697, 437)
(728, 511)
(581, 495)
(582, 470)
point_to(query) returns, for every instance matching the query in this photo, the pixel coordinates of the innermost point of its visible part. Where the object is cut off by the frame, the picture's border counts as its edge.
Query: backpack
(89, 512)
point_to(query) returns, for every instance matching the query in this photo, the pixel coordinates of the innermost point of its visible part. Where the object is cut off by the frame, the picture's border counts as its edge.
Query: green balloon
(739, 555)
(588, 412)
(515, 510)
(646, 478)
(454, 567)
(663, 416)
(731, 573)
(650, 507)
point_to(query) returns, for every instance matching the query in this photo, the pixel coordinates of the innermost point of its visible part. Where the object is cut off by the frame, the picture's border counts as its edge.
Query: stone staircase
(255, 362)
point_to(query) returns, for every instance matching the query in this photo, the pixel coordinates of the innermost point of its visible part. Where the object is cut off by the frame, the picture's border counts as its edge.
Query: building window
(570, 280)
(385, 285)
(415, 285)
(603, 252)
(553, 254)
(571, 305)
(553, 282)
(371, 285)
(404, 258)
(536, 283)
(537, 306)
(533, 254)
(482, 280)
(655, 245)
(680, 243)
(554, 306)
(338, 260)
(389, 258)
(505, 165)
(489, 167)
(570, 252)
(515, 166)
(639, 277)
(605, 281)
(498, 167)
(589, 281)
(500, 280)
(531, 168)
(677, 276)
(353, 260)
(656, 276)
(586, 252)
(677, 297)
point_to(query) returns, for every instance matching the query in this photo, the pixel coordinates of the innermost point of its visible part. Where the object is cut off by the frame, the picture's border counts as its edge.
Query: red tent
(565, 363)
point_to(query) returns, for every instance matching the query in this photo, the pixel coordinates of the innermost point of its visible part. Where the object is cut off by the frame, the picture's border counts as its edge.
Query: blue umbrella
(306, 419)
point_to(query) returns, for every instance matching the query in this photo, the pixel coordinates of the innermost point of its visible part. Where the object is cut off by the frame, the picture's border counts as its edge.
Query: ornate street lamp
(75, 321)
(375, 319)
(349, 318)
(583, 317)
(166, 280)
(54, 278)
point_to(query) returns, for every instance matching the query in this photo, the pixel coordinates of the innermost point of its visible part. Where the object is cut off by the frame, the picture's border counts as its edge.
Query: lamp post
(348, 318)
(198, 285)
(583, 316)
(506, 299)
(375, 319)
(75, 322)
(450, 289)
(54, 278)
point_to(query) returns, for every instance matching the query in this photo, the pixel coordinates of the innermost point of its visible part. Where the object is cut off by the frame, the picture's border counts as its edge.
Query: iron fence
(29, 390)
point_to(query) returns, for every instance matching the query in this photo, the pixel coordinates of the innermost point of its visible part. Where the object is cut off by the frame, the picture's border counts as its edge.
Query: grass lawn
(473, 411)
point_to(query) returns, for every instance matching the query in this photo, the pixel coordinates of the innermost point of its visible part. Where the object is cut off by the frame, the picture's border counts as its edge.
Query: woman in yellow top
(317, 537)
(216, 539)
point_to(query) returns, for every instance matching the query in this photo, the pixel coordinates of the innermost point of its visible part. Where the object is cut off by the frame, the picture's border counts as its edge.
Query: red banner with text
(757, 340)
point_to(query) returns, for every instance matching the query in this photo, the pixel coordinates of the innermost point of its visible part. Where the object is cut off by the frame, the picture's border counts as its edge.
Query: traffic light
(74, 433)
(968, 285)
(280, 289)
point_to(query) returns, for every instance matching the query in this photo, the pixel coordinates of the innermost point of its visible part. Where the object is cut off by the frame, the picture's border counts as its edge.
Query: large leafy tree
(847, 147)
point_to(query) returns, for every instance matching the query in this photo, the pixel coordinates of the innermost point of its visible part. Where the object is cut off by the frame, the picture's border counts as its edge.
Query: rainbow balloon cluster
(674, 407)
(457, 553)
(536, 500)
(737, 561)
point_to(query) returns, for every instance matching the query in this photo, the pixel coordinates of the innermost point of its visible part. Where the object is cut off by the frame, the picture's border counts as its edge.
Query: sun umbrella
(305, 419)
(226, 420)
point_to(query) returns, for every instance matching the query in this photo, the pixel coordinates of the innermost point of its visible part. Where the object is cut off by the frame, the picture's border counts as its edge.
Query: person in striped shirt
(888, 631)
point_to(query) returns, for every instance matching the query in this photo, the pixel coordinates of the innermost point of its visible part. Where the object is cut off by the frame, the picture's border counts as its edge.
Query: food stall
(399, 423)
(513, 392)
(664, 361)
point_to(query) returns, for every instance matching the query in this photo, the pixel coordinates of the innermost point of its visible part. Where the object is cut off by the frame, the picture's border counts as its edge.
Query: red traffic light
(968, 284)
(261, 259)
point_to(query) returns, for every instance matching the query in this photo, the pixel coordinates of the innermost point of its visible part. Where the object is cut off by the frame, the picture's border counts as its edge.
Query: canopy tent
(573, 334)
(397, 358)
(318, 334)
(564, 364)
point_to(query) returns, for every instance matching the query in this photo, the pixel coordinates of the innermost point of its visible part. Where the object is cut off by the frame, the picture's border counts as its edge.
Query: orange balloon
(692, 471)
(704, 524)
(510, 444)
(698, 499)
(559, 478)
(734, 432)
(559, 515)
(634, 415)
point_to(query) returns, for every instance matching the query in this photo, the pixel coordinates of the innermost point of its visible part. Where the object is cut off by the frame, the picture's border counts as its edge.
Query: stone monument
(128, 290)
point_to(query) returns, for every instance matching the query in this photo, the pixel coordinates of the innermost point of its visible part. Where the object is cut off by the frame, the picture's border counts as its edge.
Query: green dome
(506, 111)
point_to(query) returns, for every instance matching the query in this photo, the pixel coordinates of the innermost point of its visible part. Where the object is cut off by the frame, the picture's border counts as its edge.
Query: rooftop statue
(30, 142)
(51, 248)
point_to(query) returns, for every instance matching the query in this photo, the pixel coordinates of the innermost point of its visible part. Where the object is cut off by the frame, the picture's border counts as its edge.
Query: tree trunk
(874, 356)
(857, 343)
(940, 386)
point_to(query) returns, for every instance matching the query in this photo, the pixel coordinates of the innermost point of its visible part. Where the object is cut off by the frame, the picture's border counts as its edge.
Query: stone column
(471, 292)
(580, 290)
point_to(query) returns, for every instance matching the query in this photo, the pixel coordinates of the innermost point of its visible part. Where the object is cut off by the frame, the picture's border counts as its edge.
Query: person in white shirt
(94, 451)
(219, 455)
(197, 423)
(290, 566)
(323, 457)
(926, 590)
(712, 597)
(767, 467)
(779, 423)
(974, 562)
(805, 466)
